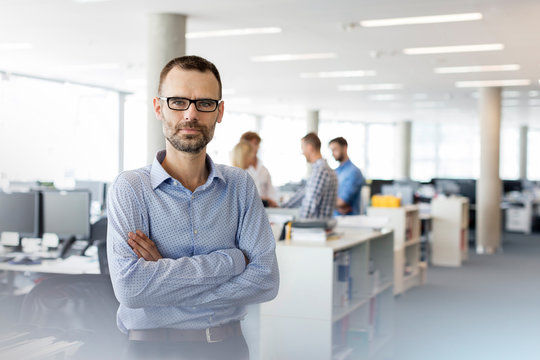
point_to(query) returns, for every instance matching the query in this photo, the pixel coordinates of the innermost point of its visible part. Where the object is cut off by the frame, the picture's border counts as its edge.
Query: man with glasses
(189, 242)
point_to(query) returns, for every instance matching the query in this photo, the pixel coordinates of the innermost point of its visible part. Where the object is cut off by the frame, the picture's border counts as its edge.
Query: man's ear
(157, 108)
(221, 109)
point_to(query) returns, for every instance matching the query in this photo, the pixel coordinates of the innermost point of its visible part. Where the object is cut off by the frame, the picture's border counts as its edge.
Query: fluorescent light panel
(476, 68)
(15, 46)
(367, 87)
(293, 57)
(534, 93)
(383, 97)
(338, 74)
(491, 83)
(432, 19)
(452, 49)
(233, 32)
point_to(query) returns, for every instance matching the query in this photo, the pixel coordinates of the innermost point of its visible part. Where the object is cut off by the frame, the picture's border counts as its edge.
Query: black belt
(209, 335)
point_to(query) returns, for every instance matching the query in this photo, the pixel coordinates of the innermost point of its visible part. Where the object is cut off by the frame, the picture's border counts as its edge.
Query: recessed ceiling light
(366, 87)
(477, 68)
(428, 104)
(85, 67)
(15, 46)
(534, 93)
(233, 32)
(433, 19)
(452, 49)
(492, 83)
(383, 97)
(534, 102)
(293, 57)
(338, 74)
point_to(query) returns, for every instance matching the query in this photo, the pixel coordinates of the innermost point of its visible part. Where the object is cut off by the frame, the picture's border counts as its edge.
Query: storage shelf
(355, 303)
(412, 242)
(383, 288)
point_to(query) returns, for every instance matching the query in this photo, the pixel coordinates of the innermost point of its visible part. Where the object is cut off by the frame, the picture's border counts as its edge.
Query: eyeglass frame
(167, 99)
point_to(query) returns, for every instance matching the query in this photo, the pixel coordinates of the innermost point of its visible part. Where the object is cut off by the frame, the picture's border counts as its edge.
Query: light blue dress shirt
(202, 280)
(350, 181)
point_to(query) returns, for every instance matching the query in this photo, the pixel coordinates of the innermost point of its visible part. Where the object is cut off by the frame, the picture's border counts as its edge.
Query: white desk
(71, 265)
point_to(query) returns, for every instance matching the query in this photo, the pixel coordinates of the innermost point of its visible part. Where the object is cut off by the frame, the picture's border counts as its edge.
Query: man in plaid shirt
(318, 198)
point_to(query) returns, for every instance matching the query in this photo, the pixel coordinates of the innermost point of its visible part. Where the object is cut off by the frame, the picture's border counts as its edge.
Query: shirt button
(195, 231)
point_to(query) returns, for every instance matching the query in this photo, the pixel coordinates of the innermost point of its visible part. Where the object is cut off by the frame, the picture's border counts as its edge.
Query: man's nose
(191, 112)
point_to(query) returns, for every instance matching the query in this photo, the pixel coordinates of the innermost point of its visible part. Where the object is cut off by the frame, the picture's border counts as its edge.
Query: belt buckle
(209, 337)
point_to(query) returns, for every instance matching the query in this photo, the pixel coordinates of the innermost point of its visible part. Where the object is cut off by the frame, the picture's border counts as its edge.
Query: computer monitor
(67, 214)
(19, 212)
(96, 188)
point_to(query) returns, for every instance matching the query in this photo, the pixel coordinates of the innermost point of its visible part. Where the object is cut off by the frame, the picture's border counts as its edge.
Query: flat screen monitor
(96, 188)
(67, 213)
(19, 212)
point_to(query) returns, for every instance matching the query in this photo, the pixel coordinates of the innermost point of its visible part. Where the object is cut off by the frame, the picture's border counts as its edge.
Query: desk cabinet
(335, 299)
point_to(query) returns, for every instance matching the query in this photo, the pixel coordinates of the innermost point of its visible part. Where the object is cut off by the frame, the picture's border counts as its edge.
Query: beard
(340, 158)
(190, 143)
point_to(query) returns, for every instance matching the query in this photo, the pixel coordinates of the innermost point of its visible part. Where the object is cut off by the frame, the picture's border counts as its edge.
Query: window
(280, 148)
(509, 153)
(380, 151)
(52, 131)
(424, 151)
(533, 165)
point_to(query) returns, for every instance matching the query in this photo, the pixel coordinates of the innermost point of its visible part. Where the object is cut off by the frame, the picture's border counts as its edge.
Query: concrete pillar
(403, 150)
(312, 125)
(312, 121)
(166, 39)
(523, 145)
(488, 188)
(121, 116)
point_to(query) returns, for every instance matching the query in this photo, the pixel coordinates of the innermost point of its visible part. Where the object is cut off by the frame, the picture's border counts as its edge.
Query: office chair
(99, 239)
(75, 308)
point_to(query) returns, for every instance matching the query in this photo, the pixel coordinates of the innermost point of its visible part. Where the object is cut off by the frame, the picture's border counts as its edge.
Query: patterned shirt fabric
(350, 180)
(318, 198)
(263, 181)
(202, 280)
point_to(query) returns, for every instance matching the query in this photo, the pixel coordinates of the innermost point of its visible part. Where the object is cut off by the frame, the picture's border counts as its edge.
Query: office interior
(439, 102)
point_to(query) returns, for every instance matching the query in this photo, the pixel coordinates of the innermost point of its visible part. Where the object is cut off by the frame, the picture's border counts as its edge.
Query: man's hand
(342, 207)
(143, 246)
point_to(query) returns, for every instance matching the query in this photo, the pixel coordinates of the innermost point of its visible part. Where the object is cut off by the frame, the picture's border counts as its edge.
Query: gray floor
(487, 309)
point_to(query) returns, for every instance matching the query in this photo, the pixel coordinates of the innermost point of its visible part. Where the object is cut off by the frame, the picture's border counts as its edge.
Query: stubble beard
(192, 144)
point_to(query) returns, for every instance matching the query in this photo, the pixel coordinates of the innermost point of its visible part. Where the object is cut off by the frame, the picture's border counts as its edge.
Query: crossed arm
(142, 277)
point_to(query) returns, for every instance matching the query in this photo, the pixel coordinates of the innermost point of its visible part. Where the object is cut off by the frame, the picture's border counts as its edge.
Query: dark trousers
(233, 348)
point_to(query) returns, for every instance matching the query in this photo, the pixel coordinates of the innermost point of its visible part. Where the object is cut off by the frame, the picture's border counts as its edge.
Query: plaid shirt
(318, 198)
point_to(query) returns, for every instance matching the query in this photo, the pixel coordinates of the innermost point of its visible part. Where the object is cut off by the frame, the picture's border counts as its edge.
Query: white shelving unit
(450, 234)
(405, 221)
(305, 321)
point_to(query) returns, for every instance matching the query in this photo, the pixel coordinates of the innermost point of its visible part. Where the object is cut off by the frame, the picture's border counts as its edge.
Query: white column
(312, 125)
(312, 118)
(403, 150)
(523, 145)
(488, 188)
(121, 116)
(166, 40)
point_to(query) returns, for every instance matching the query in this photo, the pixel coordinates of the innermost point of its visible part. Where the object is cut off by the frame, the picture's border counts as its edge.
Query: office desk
(71, 265)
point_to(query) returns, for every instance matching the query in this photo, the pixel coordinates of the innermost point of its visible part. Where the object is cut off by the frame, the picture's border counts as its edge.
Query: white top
(263, 181)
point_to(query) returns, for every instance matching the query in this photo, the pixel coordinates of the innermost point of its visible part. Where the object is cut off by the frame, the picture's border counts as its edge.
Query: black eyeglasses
(181, 104)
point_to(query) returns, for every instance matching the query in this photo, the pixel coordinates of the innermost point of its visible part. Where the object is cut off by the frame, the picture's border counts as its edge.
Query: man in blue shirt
(350, 179)
(189, 243)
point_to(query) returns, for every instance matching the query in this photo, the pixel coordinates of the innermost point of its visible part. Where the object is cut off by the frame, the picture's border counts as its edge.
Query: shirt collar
(345, 163)
(158, 174)
(318, 163)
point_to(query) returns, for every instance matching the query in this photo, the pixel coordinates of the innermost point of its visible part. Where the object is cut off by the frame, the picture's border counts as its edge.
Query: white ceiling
(65, 34)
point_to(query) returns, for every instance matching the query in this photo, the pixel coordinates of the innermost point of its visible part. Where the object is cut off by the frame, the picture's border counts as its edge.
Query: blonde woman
(243, 156)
